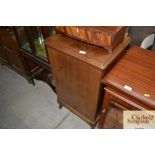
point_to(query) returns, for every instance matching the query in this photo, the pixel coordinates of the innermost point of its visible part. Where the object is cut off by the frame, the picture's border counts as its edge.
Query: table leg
(105, 107)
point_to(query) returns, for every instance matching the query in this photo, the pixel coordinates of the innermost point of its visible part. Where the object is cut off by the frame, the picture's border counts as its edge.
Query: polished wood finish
(136, 70)
(9, 53)
(78, 76)
(105, 36)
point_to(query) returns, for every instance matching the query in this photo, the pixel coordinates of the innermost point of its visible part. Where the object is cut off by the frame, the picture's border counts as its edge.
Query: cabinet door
(14, 59)
(23, 38)
(1, 50)
(114, 117)
(77, 83)
(38, 35)
(38, 42)
(3, 57)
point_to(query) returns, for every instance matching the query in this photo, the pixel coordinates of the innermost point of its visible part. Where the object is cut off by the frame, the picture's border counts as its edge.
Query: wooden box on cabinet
(105, 36)
(77, 69)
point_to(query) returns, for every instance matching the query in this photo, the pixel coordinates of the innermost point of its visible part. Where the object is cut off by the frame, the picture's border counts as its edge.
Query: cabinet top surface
(94, 55)
(134, 74)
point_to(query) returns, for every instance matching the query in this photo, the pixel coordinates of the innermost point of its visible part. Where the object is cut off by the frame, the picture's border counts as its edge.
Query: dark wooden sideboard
(9, 51)
(77, 69)
(25, 62)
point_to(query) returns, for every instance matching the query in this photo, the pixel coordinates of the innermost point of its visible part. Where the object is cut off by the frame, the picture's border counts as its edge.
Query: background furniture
(9, 51)
(148, 41)
(130, 84)
(33, 49)
(77, 69)
(139, 33)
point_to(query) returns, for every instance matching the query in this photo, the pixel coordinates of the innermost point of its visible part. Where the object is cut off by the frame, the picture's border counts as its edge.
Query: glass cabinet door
(31, 39)
(23, 38)
(38, 40)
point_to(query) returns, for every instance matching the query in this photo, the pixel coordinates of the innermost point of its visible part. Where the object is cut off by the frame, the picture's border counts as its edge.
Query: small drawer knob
(82, 52)
(103, 111)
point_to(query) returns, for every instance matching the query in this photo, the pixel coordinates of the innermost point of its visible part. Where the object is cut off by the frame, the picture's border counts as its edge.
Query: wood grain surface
(136, 70)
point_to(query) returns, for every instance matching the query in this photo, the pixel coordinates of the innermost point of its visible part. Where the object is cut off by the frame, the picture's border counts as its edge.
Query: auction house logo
(138, 119)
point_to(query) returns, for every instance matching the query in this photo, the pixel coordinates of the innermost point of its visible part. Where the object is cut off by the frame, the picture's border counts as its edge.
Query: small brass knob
(103, 111)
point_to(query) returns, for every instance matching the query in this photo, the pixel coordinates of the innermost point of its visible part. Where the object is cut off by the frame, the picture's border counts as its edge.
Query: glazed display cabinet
(31, 43)
(31, 40)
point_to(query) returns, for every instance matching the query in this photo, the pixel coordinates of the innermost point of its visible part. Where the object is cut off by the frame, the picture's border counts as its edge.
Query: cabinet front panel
(77, 83)
(102, 40)
(14, 59)
(2, 55)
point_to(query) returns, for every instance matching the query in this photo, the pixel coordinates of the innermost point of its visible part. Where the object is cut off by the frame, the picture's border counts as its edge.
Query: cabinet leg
(105, 107)
(93, 126)
(31, 81)
(60, 106)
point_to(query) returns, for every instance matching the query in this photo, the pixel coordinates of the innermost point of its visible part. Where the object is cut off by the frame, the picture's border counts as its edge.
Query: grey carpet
(24, 106)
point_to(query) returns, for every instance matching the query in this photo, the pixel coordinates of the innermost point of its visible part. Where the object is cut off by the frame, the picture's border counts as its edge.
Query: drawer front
(60, 29)
(79, 33)
(85, 35)
(69, 30)
(102, 39)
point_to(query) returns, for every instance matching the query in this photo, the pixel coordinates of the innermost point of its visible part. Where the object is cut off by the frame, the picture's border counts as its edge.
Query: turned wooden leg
(105, 107)
(31, 81)
(93, 126)
(60, 106)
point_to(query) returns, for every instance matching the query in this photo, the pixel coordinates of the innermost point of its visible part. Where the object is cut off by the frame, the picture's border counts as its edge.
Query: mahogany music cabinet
(77, 69)
(130, 84)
